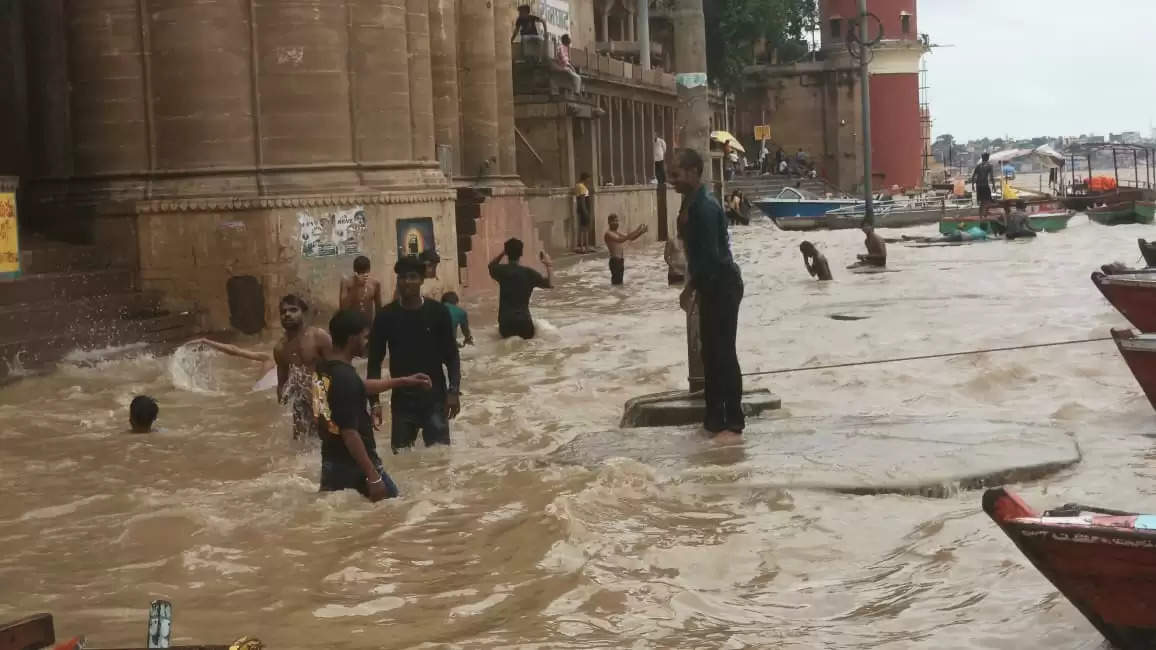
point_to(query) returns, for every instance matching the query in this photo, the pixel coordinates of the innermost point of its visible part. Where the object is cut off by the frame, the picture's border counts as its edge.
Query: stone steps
(51, 317)
(61, 258)
(69, 285)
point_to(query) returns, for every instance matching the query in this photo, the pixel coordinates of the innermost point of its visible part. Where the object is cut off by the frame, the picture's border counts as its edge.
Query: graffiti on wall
(331, 234)
(415, 236)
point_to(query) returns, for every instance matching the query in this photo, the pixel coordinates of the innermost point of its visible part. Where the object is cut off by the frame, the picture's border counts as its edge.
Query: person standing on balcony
(527, 25)
(659, 158)
(562, 63)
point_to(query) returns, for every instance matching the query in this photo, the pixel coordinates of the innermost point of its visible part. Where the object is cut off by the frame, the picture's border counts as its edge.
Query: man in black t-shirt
(419, 336)
(526, 25)
(516, 284)
(349, 459)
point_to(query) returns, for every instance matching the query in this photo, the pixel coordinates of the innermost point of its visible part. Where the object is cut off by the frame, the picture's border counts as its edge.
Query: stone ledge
(851, 455)
(682, 408)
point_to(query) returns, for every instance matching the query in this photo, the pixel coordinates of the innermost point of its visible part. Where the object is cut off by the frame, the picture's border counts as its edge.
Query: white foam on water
(268, 382)
(102, 354)
(188, 370)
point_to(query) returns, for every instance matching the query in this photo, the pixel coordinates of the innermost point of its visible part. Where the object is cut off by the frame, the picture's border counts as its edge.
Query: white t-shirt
(659, 150)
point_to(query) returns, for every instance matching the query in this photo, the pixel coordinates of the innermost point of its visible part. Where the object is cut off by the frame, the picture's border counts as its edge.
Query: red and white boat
(1103, 561)
(1139, 352)
(1133, 294)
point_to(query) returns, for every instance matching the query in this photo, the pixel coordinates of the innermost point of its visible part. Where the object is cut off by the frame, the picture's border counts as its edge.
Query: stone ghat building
(221, 152)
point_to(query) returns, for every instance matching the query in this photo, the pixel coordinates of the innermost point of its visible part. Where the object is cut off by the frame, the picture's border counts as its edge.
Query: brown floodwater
(495, 543)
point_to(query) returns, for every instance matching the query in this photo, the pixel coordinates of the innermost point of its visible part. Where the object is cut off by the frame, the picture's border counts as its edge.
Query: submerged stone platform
(677, 408)
(919, 456)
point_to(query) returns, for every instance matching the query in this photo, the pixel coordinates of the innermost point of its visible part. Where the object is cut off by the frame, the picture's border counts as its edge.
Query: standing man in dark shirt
(527, 25)
(349, 459)
(419, 335)
(984, 178)
(517, 283)
(714, 278)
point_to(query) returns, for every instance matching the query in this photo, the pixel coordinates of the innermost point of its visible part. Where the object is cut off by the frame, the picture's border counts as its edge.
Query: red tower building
(896, 118)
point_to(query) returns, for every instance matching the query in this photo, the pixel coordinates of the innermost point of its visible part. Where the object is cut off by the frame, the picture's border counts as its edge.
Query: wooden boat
(1103, 561)
(1045, 215)
(1133, 295)
(39, 631)
(1139, 352)
(1145, 211)
(899, 215)
(1114, 213)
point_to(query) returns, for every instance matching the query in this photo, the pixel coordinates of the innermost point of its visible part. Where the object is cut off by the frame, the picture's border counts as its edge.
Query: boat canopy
(1045, 154)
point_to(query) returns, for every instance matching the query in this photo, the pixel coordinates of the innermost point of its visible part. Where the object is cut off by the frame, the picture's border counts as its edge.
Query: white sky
(1028, 68)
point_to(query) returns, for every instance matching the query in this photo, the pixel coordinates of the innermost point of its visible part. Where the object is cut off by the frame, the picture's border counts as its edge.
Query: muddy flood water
(497, 544)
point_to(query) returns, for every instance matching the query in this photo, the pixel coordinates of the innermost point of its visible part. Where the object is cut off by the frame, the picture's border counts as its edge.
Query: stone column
(631, 148)
(421, 110)
(606, 169)
(110, 127)
(504, 16)
(443, 29)
(48, 95)
(380, 79)
(479, 88)
(644, 33)
(200, 67)
(620, 137)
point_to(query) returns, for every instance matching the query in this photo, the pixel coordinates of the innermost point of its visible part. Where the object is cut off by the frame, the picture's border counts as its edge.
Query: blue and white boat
(794, 209)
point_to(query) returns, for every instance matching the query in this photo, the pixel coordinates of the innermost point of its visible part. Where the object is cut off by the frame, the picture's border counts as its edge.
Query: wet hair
(295, 300)
(450, 298)
(986, 156)
(514, 248)
(345, 325)
(142, 412)
(409, 264)
(361, 264)
(565, 39)
(690, 160)
(612, 216)
(525, 9)
(808, 248)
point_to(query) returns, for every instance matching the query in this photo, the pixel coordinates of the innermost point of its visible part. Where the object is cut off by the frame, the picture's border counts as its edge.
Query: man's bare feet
(727, 438)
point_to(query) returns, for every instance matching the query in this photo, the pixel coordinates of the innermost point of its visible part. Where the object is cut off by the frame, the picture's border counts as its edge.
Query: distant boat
(1103, 561)
(793, 209)
(1044, 215)
(1114, 212)
(1145, 211)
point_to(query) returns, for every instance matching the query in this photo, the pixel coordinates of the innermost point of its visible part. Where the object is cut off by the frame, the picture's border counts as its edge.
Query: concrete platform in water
(679, 407)
(856, 455)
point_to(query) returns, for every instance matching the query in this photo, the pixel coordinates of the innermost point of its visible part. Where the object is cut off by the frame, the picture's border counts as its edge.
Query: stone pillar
(632, 141)
(379, 79)
(443, 29)
(110, 127)
(619, 141)
(200, 74)
(421, 110)
(644, 33)
(48, 93)
(13, 87)
(606, 169)
(304, 122)
(479, 88)
(504, 16)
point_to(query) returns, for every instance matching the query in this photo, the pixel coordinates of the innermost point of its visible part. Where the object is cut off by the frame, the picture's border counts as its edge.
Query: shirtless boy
(296, 356)
(359, 292)
(616, 242)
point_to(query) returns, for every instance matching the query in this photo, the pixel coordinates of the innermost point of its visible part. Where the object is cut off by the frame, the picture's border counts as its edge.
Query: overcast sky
(1040, 67)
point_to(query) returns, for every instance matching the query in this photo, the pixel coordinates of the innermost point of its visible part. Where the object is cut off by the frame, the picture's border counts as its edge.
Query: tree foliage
(736, 29)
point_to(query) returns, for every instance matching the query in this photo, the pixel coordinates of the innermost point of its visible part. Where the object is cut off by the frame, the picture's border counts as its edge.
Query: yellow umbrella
(724, 137)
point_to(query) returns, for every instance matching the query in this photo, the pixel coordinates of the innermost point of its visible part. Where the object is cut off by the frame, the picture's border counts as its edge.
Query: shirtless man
(876, 249)
(296, 356)
(616, 243)
(815, 262)
(359, 292)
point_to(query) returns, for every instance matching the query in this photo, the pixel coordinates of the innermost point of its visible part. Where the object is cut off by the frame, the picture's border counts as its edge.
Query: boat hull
(1107, 570)
(1146, 211)
(1139, 353)
(899, 218)
(1133, 295)
(1040, 222)
(796, 214)
(1114, 214)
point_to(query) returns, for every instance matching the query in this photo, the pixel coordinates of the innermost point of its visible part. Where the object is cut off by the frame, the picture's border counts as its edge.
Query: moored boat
(1114, 213)
(793, 209)
(898, 215)
(1133, 295)
(1139, 352)
(1103, 561)
(1047, 215)
(1146, 211)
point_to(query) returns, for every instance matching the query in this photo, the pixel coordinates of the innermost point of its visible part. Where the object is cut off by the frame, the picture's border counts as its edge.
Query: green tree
(735, 28)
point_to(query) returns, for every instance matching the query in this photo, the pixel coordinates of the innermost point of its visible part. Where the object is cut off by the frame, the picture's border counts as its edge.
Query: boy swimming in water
(142, 413)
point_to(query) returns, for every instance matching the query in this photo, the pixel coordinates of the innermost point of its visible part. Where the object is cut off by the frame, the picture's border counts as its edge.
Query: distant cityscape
(948, 152)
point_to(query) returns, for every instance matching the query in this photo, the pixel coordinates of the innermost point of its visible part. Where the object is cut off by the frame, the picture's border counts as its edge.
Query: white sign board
(556, 13)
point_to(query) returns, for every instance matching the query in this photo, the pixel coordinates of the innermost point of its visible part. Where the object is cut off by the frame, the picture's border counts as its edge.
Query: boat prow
(1103, 561)
(1139, 352)
(1133, 295)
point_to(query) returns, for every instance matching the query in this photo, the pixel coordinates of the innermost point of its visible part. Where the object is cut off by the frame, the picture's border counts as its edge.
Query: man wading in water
(349, 459)
(715, 281)
(516, 284)
(419, 334)
(360, 292)
(296, 356)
